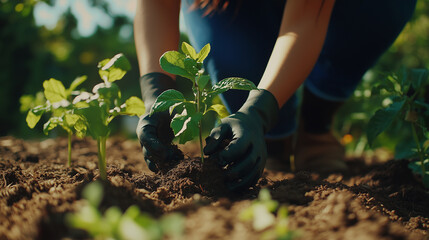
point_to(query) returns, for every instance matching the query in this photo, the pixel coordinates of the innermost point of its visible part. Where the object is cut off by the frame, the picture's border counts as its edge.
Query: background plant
(90, 112)
(406, 100)
(104, 103)
(56, 101)
(113, 224)
(187, 122)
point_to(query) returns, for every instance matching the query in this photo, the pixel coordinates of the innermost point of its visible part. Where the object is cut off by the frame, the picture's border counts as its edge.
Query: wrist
(263, 105)
(152, 85)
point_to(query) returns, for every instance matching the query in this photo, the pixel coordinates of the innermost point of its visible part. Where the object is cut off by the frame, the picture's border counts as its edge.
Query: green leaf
(70, 119)
(179, 107)
(418, 77)
(220, 109)
(173, 224)
(167, 99)
(81, 105)
(232, 83)
(262, 217)
(93, 192)
(28, 101)
(202, 81)
(392, 85)
(34, 115)
(54, 90)
(52, 123)
(186, 126)
(203, 53)
(134, 106)
(382, 119)
(77, 82)
(81, 127)
(113, 216)
(174, 62)
(264, 195)
(189, 50)
(417, 168)
(191, 67)
(32, 119)
(96, 119)
(107, 91)
(283, 212)
(406, 150)
(246, 214)
(114, 69)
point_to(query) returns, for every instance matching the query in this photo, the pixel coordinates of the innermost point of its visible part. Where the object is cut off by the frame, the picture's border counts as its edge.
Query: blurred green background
(64, 39)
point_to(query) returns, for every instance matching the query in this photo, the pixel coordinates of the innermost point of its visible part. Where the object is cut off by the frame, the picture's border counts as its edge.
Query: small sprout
(115, 224)
(268, 217)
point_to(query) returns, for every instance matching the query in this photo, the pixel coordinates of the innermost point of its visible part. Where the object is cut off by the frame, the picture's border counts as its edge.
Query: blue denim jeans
(242, 38)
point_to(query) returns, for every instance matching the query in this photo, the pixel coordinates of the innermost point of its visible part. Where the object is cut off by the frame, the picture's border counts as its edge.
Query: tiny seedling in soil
(113, 224)
(89, 113)
(187, 122)
(407, 96)
(268, 217)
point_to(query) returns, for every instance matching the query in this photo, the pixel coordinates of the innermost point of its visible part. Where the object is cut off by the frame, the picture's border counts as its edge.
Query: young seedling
(88, 113)
(187, 122)
(104, 103)
(268, 217)
(407, 96)
(55, 100)
(113, 224)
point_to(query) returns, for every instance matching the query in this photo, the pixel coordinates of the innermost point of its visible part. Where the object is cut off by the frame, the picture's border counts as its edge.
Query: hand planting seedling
(113, 224)
(56, 101)
(407, 96)
(89, 113)
(187, 122)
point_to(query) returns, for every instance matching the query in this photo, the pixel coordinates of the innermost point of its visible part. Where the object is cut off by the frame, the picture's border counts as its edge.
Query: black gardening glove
(154, 132)
(238, 142)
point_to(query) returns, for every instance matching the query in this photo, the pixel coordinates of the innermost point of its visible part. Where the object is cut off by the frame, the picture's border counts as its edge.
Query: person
(324, 45)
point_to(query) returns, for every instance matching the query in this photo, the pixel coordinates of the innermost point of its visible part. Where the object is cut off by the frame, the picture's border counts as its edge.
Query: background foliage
(32, 53)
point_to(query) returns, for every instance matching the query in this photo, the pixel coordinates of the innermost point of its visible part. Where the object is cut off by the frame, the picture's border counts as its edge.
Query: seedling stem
(419, 149)
(69, 145)
(101, 144)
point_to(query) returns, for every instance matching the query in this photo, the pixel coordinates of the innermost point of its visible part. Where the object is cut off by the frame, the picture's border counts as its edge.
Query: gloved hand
(154, 132)
(242, 133)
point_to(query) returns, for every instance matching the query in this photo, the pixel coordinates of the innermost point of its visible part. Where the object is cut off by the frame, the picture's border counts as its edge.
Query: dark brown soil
(381, 201)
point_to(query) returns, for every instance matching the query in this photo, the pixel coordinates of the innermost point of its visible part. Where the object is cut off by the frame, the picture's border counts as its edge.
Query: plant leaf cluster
(268, 216)
(86, 113)
(408, 99)
(113, 224)
(188, 114)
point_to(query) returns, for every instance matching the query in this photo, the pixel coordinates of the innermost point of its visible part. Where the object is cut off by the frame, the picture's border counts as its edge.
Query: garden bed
(377, 201)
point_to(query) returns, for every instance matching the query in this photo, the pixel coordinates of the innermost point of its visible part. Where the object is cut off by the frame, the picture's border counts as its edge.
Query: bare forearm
(156, 30)
(302, 34)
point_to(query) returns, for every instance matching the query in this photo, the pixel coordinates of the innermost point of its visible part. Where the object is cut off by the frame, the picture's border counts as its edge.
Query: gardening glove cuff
(262, 105)
(154, 131)
(152, 85)
(238, 142)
